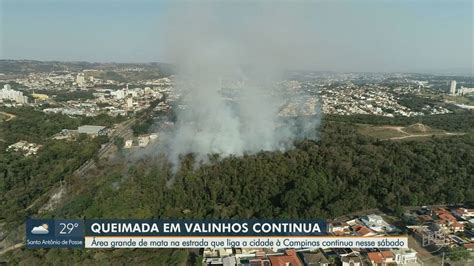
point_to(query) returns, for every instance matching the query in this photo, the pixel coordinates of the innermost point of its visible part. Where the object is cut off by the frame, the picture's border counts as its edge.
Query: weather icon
(40, 230)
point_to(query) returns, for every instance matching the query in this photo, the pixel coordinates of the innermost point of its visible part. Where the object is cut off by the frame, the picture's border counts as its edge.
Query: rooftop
(89, 129)
(289, 259)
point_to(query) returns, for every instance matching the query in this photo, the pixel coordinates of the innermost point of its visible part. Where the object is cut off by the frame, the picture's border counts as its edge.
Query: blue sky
(351, 35)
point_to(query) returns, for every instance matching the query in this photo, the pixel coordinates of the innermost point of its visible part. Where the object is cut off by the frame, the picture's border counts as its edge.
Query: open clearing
(414, 131)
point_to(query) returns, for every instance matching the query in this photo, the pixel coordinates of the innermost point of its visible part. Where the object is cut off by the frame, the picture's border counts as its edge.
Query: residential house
(381, 258)
(376, 223)
(314, 258)
(362, 230)
(469, 233)
(253, 262)
(448, 222)
(229, 261)
(289, 258)
(463, 213)
(469, 246)
(425, 219)
(339, 228)
(405, 256)
(351, 259)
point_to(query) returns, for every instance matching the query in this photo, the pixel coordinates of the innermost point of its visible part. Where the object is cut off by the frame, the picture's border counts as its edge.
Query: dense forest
(24, 179)
(342, 172)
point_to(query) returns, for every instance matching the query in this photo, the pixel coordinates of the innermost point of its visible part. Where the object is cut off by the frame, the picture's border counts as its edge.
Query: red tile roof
(282, 260)
(379, 257)
(387, 254)
(446, 216)
(375, 257)
(362, 230)
(458, 224)
(469, 245)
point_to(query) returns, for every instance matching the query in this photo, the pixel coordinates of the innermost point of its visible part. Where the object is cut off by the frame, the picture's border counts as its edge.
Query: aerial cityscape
(241, 125)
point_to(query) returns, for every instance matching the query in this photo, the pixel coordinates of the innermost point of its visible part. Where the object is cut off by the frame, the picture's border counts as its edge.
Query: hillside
(344, 171)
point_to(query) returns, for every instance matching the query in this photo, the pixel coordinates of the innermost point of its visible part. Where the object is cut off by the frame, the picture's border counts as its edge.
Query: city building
(12, 95)
(129, 102)
(119, 94)
(92, 130)
(80, 80)
(465, 90)
(452, 88)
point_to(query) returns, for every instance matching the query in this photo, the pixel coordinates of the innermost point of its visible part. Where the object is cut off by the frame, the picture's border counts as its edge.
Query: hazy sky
(346, 35)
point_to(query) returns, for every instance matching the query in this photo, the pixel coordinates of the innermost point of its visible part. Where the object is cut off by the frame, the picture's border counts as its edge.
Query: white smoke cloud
(212, 49)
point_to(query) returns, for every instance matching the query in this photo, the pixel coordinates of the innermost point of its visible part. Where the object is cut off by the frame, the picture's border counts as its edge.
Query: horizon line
(449, 71)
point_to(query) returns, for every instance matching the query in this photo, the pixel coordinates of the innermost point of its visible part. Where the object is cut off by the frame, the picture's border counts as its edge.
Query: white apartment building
(13, 95)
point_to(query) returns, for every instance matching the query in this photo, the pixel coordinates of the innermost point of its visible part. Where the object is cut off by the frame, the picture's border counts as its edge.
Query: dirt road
(10, 116)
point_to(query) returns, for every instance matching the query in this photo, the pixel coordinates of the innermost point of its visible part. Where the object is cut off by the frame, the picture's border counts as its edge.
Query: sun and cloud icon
(40, 230)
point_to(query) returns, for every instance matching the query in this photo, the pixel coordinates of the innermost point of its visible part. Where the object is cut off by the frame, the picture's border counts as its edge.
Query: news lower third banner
(273, 234)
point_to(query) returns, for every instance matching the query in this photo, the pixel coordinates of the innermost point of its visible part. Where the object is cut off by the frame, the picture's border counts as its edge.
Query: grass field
(460, 99)
(400, 133)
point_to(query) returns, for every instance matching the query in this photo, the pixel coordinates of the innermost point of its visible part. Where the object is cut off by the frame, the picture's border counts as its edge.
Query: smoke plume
(231, 77)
